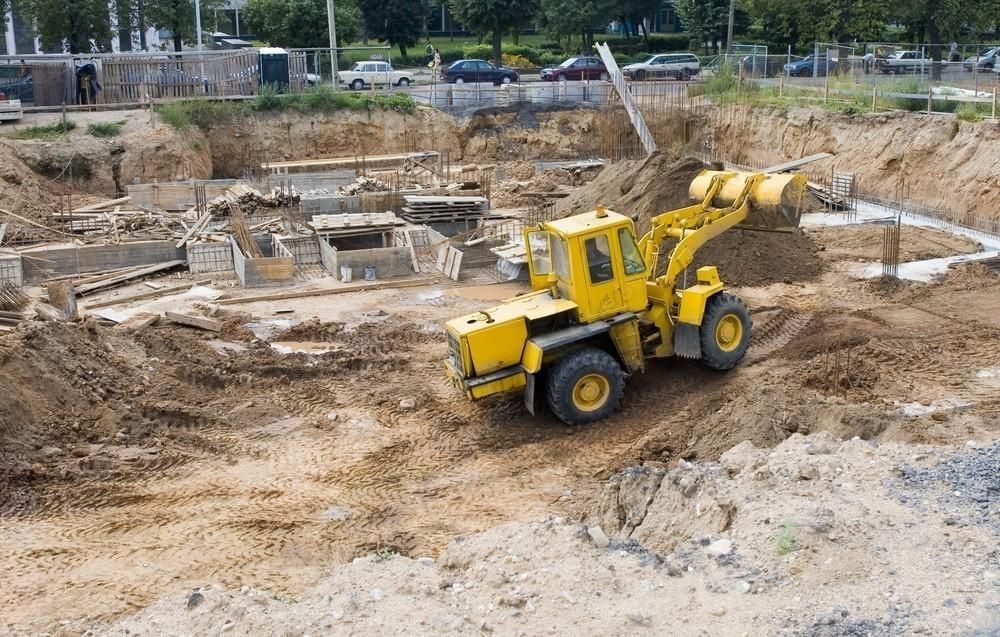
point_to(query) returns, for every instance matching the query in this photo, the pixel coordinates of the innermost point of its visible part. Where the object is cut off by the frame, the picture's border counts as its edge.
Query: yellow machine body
(595, 282)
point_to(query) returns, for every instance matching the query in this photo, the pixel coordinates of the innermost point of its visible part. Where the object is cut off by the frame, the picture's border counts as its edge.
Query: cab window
(631, 258)
(538, 248)
(560, 257)
(598, 259)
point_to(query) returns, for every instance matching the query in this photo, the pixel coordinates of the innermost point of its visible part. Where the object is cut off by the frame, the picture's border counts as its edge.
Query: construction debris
(12, 297)
(363, 184)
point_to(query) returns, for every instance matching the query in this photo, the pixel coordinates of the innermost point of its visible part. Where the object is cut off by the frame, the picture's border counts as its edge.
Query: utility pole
(332, 23)
(729, 33)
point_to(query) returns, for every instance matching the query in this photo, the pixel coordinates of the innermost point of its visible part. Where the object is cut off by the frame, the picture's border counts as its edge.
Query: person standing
(437, 64)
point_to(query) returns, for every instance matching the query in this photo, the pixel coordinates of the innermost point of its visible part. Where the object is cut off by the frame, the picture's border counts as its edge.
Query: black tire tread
(718, 306)
(564, 374)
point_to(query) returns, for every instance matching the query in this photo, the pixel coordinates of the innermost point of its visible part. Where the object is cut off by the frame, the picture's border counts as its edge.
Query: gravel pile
(972, 480)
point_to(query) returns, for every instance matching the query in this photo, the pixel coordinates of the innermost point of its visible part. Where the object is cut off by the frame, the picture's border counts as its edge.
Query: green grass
(106, 129)
(207, 114)
(785, 542)
(50, 131)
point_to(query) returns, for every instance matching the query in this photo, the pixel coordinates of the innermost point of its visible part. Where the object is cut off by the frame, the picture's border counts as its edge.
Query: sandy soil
(739, 547)
(863, 242)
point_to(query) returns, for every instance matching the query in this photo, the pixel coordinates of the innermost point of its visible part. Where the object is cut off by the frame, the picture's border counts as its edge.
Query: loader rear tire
(585, 386)
(725, 332)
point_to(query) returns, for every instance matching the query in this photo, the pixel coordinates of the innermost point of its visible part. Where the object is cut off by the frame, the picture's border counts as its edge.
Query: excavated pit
(136, 465)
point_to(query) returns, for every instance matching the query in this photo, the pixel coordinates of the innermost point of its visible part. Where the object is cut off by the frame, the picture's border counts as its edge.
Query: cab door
(602, 276)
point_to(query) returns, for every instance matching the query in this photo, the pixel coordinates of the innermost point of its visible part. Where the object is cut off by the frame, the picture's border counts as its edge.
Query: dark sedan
(583, 68)
(476, 71)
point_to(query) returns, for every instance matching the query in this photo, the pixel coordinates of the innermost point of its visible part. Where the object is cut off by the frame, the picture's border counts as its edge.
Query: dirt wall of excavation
(937, 161)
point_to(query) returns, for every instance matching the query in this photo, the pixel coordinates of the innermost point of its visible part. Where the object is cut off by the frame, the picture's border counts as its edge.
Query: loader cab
(592, 259)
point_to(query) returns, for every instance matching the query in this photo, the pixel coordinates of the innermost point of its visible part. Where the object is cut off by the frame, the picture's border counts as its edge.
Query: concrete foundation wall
(328, 204)
(303, 182)
(388, 262)
(11, 270)
(328, 257)
(209, 257)
(72, 259)
(264, 272)
(178, 195)
(304, 250)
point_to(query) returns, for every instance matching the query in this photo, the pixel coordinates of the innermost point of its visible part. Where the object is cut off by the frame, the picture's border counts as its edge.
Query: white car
(366, 74)
(679, 66)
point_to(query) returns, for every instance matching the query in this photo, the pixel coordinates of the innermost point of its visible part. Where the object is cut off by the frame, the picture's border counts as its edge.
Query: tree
(639, 11)
(300, 23)
(796, 22)
(82, 26)
(568, 17)
(707, 20)
(495, 17)
(938, 21)
(177, 16)
(398, 22)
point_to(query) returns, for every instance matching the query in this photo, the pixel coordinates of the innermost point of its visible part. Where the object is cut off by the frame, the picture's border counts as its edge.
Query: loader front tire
(585, 386)
(725, 332)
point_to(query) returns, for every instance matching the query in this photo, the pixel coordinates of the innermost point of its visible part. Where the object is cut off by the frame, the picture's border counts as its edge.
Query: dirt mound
(312, 330)
(22, 190)
(750, 258)
(647, 188)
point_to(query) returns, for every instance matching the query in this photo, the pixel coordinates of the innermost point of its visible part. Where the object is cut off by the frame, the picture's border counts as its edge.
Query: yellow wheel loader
(603, 303)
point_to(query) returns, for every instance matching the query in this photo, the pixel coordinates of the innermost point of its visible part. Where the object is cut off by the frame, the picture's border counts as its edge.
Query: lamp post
(197, 28)
(332, 23)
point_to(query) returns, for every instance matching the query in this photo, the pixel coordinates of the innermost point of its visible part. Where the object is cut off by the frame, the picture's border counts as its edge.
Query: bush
(477, 52)
(969, 113)
(106, 129)
(516, 61)
(50, 131)
(206, 114)
(485, 52)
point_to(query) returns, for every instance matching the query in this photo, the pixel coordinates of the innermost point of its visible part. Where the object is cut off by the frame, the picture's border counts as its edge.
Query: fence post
(781, 86)
(996, 87)
(874, 96)
(826, 87)
(930, 100)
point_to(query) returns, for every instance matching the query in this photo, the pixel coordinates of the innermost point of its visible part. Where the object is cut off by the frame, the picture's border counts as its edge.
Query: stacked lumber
(426, 209)
(250, 199)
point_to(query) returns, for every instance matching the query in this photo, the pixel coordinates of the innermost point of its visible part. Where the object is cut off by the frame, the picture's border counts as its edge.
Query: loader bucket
(776, 202)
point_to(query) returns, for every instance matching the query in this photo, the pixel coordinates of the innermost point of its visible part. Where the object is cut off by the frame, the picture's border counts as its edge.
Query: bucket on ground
(369, 273)
(345, 274)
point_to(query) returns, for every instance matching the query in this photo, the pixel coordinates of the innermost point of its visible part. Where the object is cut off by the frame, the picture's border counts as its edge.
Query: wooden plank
(203, 221)
(128, 276)
(103, 204)
(148, 295)
(138, 321)
(409, 283)
(796, 163)
(194, 321)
